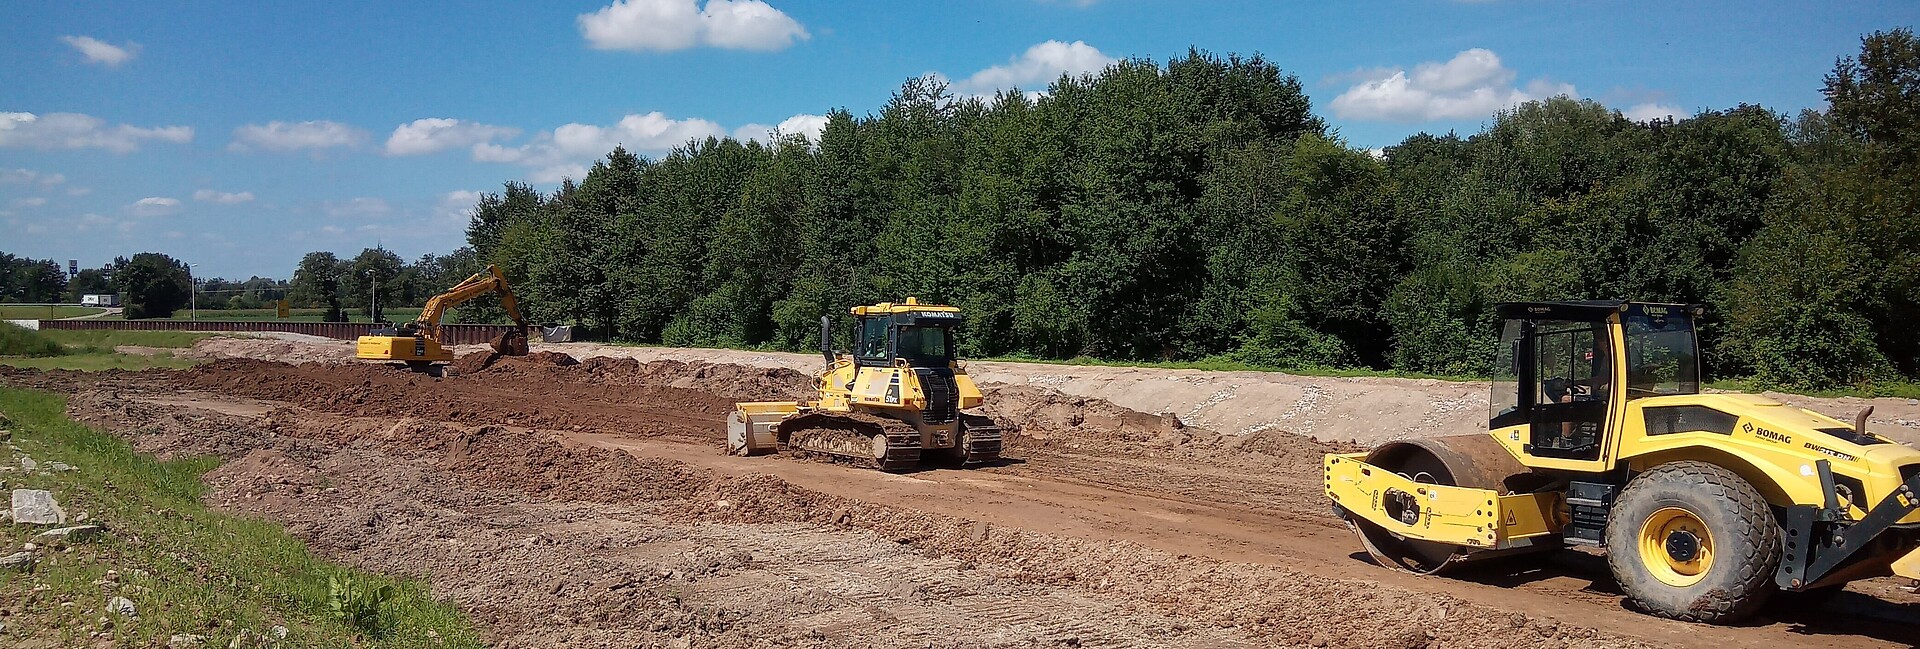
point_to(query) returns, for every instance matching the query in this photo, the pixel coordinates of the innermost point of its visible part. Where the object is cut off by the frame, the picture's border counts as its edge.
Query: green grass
(198, 571)
(95, 361)
(20, 312)
(1217, 364)
(1894, 389)
(18, 341)
(107, 339)
(295, 315)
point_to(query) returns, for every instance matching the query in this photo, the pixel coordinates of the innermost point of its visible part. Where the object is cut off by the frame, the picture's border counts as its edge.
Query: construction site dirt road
(580, 497)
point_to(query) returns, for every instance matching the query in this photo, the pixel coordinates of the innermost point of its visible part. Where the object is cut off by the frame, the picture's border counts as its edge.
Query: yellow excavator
(1706, 505)
(418, 343)
(895, 400)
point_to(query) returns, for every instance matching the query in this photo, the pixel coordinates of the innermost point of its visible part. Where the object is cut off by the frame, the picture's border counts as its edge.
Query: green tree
(316, 282)
(156, 285)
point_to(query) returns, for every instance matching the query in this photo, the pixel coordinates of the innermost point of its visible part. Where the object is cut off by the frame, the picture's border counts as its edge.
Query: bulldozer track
(850, 439)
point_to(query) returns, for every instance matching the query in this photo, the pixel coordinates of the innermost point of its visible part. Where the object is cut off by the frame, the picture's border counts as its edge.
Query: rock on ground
(21, 561)
(37, 507)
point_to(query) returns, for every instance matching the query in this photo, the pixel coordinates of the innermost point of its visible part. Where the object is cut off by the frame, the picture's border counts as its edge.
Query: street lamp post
(193, 295)
(373, 298)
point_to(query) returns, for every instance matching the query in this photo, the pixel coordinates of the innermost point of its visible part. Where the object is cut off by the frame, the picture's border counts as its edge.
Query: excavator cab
(418, 344)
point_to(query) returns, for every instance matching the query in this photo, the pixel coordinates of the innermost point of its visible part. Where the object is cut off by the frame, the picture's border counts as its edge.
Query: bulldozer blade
(511, 343)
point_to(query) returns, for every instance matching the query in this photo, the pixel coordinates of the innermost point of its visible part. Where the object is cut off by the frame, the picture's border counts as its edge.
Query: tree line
(1199, 209)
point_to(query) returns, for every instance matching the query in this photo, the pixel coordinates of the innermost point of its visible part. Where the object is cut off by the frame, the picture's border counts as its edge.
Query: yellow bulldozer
(1599, 435)
(417, 343)
(896, 400)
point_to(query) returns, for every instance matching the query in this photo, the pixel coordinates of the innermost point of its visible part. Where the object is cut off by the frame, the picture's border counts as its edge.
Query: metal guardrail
(453, 334)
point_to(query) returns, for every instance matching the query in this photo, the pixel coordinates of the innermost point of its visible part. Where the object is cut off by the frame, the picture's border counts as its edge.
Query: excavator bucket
(511, 343)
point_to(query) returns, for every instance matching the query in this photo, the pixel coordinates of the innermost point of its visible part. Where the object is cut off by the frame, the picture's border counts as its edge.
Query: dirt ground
(580, 499)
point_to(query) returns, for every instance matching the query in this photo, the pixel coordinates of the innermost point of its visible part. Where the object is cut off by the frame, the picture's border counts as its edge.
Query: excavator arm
(487, 281)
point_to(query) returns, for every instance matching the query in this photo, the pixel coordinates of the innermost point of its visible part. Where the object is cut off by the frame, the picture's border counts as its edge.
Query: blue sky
(238, 136)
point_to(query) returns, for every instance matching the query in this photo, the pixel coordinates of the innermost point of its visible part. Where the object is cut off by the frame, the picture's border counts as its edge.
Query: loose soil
(589, 504)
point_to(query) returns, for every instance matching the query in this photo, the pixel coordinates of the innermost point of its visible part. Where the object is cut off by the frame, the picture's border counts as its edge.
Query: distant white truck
(100, 299)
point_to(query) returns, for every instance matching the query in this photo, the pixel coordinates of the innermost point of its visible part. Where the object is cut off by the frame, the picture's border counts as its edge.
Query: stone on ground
(37, 507)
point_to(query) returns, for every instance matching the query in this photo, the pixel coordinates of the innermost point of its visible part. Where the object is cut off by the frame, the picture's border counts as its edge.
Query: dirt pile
(516, 394)
(738, 382)
(285, 351)
(476, 362)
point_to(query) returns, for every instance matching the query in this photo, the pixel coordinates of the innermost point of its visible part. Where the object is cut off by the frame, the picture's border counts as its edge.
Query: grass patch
(23, 312)
(188, 569)
(295, 315)
(1892, 389)
(107, 339)
(16, 340)
(1218, 364)
(95, 361)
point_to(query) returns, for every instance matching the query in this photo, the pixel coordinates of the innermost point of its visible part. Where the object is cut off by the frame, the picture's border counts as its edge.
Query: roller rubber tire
(1743, 538)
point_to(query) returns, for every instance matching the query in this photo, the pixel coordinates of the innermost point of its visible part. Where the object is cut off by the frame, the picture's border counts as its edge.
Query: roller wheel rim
(1676, 547)
(879, 448)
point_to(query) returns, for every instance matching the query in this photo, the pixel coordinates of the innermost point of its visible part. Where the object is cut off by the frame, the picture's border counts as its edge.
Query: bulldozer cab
(907, 333)
(1566, 370)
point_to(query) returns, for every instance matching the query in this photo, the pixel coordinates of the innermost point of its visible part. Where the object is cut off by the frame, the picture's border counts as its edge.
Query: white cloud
(435, 134)
(358, 207)
(293, 136)
(102, 52)
(30, 177)
(560, 153)
(1473, 84)
(29, 202)
(79, 191)
(1654, 110)
(78, 131)
(223, 198)
(1035, 68)
(667, 25)
(804, 124)
(457, 205)
(91, 221)
(557, 173)
(154, 206)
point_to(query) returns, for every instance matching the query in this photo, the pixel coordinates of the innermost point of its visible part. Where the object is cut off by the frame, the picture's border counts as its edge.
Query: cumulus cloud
(29, 202)
(294, 136)
(102, 52)
(1654, 110)
(1036, 67)
(457, 205)
(78, 131)
(1473, 84)
(559, 153)
(436, 134)
(30, 177)
(223, 198)
(154, 206)
(358, 207)
(803, 124)
(667, 25)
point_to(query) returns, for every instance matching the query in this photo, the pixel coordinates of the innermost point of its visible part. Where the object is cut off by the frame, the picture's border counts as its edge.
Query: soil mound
(477, 362)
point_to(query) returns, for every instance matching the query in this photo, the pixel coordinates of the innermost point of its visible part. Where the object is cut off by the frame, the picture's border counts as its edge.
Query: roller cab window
(1662, 351)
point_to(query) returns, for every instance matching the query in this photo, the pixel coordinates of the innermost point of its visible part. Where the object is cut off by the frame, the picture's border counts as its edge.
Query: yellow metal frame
(1465, 516)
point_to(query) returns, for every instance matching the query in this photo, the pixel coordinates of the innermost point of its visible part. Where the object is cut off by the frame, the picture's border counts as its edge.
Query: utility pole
(193, 295)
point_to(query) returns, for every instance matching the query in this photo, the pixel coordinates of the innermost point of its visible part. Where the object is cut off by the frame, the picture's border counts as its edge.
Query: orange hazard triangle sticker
(1511, 520)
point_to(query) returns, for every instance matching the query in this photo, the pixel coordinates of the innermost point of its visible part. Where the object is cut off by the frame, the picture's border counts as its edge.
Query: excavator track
(852, 438)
